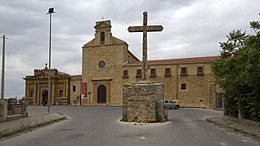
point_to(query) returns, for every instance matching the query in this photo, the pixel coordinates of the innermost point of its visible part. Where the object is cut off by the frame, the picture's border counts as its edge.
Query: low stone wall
(12, 110)
(3, 110)
(143, 102)
(62, 101)
(29, 100)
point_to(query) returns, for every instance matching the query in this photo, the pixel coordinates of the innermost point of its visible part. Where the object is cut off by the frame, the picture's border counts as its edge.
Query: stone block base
(143, 103)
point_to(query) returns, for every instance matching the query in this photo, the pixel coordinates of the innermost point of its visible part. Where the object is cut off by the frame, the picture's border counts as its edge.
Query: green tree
(238, 73)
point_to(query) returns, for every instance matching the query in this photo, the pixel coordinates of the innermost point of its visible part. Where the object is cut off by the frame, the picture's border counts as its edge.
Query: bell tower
(103, 35)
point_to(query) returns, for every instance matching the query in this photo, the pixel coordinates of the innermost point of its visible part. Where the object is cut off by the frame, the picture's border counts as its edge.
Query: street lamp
(3, 71)
(51, 10)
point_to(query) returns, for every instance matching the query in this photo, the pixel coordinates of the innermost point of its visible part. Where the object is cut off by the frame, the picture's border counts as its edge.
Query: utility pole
(51, 10)
(3, 71)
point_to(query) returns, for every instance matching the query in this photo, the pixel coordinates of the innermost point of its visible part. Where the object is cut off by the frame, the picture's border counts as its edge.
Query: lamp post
(51, 10)
(3, 71)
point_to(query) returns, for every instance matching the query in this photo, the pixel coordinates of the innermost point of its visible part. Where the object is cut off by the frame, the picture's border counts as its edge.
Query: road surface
(100, 126)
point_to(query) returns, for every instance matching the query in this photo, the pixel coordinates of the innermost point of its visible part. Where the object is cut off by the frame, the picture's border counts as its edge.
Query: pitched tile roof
(178, 61)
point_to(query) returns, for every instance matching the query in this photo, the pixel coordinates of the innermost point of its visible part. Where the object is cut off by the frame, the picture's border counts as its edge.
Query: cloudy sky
(192, 28)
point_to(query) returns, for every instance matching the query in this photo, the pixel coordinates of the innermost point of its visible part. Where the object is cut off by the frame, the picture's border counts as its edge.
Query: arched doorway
(101, 94)
(219, 99)
(44, 97)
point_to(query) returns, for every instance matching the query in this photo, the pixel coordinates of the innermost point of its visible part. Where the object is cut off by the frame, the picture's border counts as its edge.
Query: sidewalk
(246, 127)
(34, 120)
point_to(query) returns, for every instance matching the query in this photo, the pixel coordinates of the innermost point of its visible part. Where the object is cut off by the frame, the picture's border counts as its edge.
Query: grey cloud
(191, 28)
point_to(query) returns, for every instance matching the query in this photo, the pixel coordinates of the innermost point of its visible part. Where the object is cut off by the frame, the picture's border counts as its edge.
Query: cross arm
(147, 28)
(135, 29)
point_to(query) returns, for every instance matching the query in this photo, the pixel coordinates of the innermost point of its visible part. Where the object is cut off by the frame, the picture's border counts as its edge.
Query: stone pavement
(246, 127)
(34, 120)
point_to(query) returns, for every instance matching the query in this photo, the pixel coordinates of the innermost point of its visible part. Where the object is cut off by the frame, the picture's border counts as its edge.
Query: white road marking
(143, 138)
(222, 143)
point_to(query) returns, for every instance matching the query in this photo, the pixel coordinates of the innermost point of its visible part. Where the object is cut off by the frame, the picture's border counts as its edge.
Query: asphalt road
(100, 126)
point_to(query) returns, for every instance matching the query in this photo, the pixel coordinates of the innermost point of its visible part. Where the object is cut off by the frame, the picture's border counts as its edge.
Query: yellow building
(107, 64)
(65, 89)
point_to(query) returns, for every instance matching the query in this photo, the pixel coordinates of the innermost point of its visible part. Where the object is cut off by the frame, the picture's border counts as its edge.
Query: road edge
(28, 128)
(234, 129)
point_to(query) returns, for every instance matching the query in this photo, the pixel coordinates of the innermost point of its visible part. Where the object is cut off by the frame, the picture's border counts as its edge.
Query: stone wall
(75, 94)
(10, 110)
(197, 91)
(3, 110)
(143, 102)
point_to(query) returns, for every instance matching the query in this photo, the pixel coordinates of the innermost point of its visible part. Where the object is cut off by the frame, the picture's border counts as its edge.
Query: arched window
(102, 37)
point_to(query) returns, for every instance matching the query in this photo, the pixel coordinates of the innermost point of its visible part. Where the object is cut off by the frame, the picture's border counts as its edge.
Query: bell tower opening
(102, 37)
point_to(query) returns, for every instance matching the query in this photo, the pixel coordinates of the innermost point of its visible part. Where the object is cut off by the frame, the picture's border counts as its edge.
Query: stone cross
(145, 28)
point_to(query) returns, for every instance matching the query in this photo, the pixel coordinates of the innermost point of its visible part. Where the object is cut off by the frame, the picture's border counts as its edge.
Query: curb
(230, 128)
(27, 128)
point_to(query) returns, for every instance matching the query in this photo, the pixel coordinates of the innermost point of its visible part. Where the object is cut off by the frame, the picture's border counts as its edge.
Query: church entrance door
(44, 97)
(101, 94)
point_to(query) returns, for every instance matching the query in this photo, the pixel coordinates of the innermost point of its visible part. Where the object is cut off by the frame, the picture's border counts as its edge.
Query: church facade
(65, 89)
(107, 64)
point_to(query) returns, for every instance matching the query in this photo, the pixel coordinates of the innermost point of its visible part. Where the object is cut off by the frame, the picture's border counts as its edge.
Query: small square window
(153, 72)
(167, 71)
(138, 73)
(74, 88)
(184, 71)
(125, 74)
(200, 71)
(183, 86)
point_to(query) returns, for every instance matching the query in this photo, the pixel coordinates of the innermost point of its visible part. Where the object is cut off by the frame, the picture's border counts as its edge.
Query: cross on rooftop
(46, 66)
(145, 28)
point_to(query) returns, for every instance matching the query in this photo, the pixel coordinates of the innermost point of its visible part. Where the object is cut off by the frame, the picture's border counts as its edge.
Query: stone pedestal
(3, 109)
(143, 102)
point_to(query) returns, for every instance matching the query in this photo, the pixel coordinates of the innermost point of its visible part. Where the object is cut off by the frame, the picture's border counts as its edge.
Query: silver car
(168, 104)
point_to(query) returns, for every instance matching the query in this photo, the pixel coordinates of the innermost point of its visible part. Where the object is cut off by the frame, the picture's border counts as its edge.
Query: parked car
(176, 102)
(168, 104)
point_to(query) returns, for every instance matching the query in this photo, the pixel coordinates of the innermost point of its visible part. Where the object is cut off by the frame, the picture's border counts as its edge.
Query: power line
(27, 42)
(32, 43)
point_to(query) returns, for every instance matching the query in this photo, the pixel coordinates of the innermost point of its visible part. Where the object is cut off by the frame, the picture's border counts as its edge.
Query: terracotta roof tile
(177, 61)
